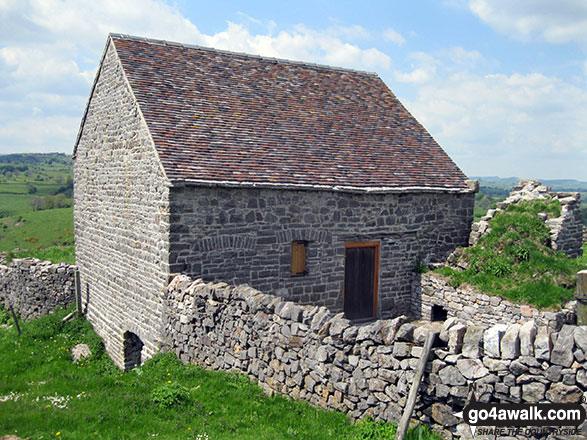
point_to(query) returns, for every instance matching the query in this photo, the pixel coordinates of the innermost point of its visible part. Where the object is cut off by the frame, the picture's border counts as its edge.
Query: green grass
(514, 259)
(56, 254)
(38, 229)
(162, 399)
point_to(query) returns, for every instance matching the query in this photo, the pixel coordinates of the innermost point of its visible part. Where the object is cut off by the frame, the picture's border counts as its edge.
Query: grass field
(37, 229)
(44, 395)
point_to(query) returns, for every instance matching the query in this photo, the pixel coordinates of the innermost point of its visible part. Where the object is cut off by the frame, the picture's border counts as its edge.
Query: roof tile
(226, 117)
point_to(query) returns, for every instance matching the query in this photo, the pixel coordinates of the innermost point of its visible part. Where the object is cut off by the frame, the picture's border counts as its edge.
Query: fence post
(78, 293)
(402, 427)
(581, 297)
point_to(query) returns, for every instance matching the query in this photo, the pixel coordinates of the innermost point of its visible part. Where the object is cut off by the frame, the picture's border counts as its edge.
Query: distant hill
(36, 158)
(501, 183)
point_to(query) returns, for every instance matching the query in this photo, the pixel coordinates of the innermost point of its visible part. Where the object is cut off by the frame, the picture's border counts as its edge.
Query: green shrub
(169, 395)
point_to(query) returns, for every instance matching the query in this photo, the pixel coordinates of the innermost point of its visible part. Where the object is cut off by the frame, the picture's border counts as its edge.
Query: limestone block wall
(431, 289)
(242, 235)
(35, 288)
(121, 217)
(309, 353)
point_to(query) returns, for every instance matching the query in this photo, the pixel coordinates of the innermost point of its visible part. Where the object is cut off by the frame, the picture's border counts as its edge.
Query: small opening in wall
(132, 350)
(438, 313)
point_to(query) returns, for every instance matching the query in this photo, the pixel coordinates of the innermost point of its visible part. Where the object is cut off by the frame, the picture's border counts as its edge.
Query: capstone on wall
(121, 217)
(309, 353)
(35, 288)
(244, 236)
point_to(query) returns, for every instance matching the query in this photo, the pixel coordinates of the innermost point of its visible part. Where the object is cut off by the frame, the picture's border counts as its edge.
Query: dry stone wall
(309, 353)
(566, 231)
(35, 288)
(465, 302)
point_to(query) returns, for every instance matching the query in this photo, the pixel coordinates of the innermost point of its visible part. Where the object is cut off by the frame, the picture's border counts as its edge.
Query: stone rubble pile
(35, 288)
(312, 354)
(566, 231)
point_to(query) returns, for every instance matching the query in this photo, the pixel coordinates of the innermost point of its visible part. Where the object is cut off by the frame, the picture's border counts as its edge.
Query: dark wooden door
(360, 280)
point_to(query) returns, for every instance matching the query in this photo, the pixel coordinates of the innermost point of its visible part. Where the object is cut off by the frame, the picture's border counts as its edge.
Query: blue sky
(500, 84)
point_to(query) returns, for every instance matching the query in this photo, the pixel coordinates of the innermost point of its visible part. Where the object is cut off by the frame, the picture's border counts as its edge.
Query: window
(298, 258)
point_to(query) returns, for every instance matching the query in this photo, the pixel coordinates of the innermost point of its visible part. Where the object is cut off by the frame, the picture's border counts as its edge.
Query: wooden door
(361, 273)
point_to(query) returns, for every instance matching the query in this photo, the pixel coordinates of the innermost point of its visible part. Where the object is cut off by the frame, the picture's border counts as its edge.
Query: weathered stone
(451, 376)
(527, 337)
(80, 352)
(390, 328)
(533, 392)
(495, 364)
(492, 340)
(456, 335)
(472, 368)
(562, 352)
(580, 337)
(405, 332)
(542, 344)
(338, 325)
(561, 393)
(421, 332)
(518, 368)
(443, 414)
(450, 322)
(510, 342)
(401, 349)
(473, 342)
(582, 378)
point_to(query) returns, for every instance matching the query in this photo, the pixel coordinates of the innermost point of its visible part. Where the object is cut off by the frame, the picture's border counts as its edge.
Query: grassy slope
(36, 229)
(162, 399)
(513, 260)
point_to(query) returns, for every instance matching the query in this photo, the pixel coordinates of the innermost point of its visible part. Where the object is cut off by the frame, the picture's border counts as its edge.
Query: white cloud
(51, 48)
(504, 124)
(459, 55)
(560, 21)
(394, 36)
(423, 69)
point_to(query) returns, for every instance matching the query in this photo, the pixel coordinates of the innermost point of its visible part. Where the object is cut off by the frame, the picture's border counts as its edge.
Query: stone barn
(309, 182)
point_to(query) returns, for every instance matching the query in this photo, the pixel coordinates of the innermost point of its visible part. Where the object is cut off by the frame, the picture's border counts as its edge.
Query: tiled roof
(217, 116)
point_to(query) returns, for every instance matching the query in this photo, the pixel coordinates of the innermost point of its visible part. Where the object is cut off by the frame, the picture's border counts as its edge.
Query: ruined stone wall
(309, 353)
(244, 236)
(566, 231)
(469, 304)
(35, 288)
(121, 217)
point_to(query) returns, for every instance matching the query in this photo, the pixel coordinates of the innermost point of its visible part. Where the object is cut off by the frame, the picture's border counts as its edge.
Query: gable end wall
(121, 217)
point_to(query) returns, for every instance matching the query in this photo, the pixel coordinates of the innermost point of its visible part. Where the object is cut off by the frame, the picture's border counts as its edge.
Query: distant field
(31, 186)
(37, 229)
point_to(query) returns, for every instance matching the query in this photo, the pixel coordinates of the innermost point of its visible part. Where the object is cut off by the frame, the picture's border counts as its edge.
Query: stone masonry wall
(566, 231)
(242, 235)
(121, 217)
(35, 288)
(466, 303)
(309, 353)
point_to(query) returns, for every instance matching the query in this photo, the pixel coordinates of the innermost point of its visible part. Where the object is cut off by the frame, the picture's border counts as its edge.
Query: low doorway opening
(133, 346)
(438, 313)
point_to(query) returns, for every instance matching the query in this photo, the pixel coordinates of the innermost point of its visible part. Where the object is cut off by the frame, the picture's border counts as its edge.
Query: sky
(500, 84)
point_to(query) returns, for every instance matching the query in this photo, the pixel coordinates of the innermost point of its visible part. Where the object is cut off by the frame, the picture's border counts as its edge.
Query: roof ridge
(244, 54)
